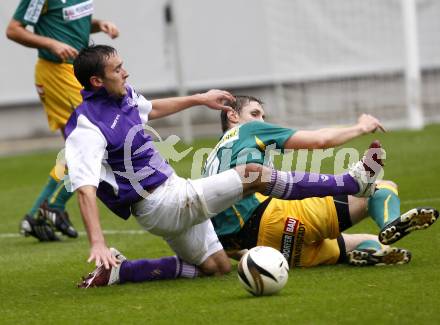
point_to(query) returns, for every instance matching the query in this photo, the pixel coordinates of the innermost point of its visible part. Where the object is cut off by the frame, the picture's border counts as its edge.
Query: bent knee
(216, 265)
(224, 268)
(215, 269)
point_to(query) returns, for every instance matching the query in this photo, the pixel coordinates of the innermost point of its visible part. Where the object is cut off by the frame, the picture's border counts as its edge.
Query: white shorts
(196, 244)
(179, 211)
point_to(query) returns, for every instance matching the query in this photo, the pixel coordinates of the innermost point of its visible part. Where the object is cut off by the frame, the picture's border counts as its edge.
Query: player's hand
(62, 50)
(369, 124)
(216, 99)
(101, 254)
(109, 28)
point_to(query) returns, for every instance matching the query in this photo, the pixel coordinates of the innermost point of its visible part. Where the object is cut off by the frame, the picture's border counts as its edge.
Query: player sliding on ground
(307, 232)
(110, 156)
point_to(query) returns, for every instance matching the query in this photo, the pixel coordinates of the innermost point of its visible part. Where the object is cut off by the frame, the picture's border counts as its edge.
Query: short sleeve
(266, 134)
(28, 11)
(85, 150)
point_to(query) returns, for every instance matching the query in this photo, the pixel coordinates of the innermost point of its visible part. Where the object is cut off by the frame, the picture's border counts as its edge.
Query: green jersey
(67, 21)
(246, 143)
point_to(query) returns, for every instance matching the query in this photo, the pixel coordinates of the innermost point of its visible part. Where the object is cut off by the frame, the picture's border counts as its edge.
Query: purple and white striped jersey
(107, 147)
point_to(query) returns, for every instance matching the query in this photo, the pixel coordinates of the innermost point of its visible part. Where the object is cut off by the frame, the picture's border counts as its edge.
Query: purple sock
(170, 267)
(300, 185)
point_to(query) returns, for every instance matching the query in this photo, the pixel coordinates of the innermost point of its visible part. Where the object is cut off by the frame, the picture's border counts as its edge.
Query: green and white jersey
(67, 21)
(246, 143)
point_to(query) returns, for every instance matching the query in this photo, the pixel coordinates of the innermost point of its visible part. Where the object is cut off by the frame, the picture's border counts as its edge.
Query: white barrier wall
(313, 57)
(220, 42)
(141, 43)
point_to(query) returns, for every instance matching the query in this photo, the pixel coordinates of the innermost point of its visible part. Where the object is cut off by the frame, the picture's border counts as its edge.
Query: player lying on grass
(307, 232)
(110, 156)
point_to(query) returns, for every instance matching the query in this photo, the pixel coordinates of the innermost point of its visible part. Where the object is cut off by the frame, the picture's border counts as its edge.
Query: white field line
(141, 232)
(420, 200)
(83, 233)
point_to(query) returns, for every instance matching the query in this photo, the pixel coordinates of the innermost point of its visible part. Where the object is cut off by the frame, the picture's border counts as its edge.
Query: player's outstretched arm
(332, 137)
(99, 252)
(214, 99)
(106, 27)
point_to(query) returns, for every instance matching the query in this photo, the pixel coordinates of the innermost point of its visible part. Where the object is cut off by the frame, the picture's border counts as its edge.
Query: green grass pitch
(38, 281)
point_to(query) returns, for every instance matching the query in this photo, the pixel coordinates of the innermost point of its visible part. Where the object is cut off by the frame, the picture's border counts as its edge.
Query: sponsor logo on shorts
(78, 11)
(292, 241)
(288, 239)
(287, 246)
(290, 225)
(298, 245)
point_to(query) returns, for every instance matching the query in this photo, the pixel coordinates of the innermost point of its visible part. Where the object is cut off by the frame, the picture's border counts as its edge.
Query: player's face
(251, 112)
(115, 76)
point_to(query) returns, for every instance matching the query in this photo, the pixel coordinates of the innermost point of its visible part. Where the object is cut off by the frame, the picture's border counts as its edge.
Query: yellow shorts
(59, 91)
(305, 231)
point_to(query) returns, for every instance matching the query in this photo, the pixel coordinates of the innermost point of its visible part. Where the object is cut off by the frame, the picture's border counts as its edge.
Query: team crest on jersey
(78, 11)
(292, 240)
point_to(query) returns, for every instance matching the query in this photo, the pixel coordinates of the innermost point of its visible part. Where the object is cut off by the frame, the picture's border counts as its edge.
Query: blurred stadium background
(313, 62)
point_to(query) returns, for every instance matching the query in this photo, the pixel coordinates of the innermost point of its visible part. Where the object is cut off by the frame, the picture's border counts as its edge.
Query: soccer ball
(263, 271)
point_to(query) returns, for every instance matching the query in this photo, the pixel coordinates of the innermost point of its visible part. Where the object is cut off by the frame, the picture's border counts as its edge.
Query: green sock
(369, 244)
(59, 197)
(44, 194)
(384, 205)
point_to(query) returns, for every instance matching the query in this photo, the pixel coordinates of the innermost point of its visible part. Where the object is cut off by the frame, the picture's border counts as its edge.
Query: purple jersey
(107, 147)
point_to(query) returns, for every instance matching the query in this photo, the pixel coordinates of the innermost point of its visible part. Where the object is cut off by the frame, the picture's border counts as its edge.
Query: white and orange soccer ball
(263, 271)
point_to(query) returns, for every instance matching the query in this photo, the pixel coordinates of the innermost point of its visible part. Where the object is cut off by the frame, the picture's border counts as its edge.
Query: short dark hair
(91, 62)
(240, 102)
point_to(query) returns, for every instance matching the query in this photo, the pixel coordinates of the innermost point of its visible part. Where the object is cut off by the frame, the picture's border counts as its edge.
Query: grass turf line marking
(420, 200)
(83, 233)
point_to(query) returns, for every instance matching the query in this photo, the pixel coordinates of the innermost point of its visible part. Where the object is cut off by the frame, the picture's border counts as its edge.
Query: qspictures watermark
(207, 161)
